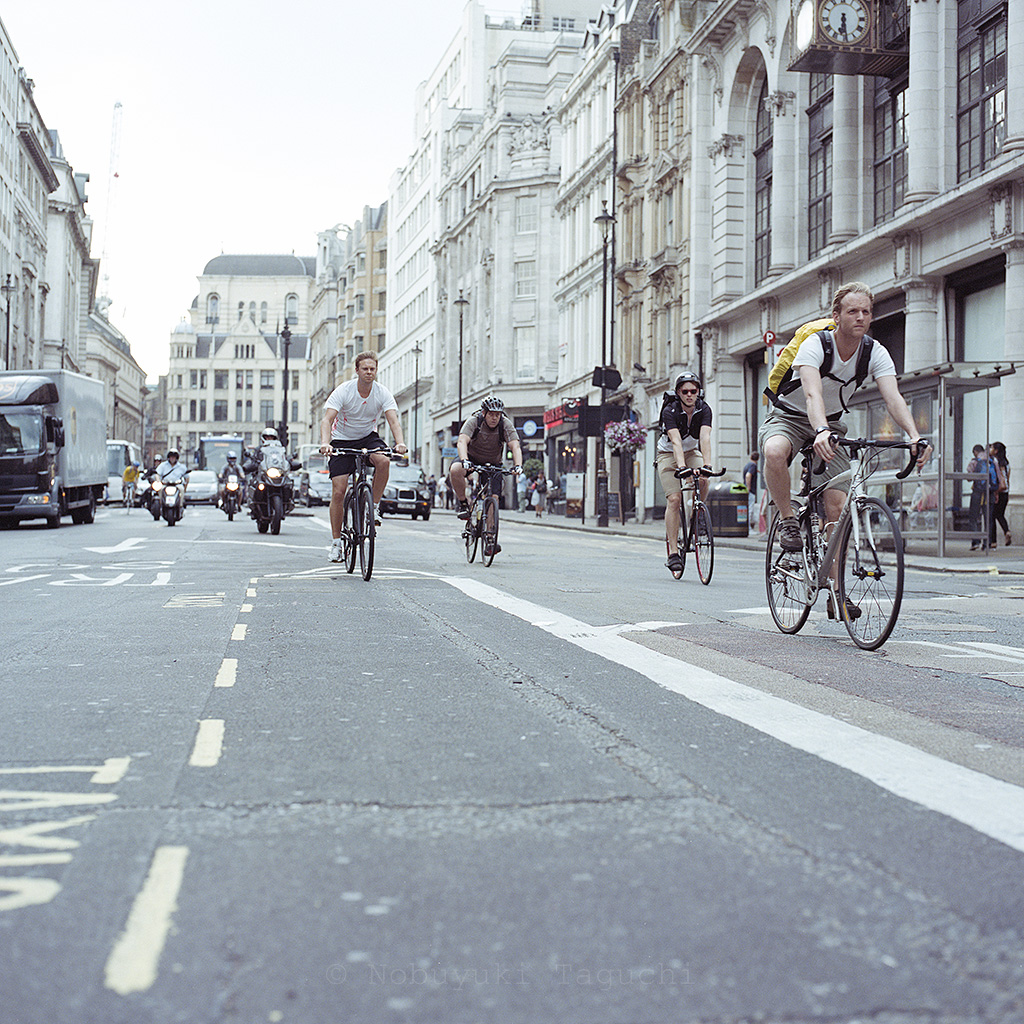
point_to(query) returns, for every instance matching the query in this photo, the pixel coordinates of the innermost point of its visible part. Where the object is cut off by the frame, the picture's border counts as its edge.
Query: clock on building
(845, 21)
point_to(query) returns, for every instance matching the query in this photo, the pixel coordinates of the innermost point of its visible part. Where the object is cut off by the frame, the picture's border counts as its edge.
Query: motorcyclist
(171, 471)
(232, 468)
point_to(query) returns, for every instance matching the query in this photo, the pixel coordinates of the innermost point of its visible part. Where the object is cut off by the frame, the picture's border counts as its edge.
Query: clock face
(844, 21)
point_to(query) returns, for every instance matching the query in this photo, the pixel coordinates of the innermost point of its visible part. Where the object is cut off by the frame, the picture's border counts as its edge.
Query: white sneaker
(376, 516)
(335, 555)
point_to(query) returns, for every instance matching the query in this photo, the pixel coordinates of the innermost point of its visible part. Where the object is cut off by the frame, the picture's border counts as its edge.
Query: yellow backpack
(782, 381)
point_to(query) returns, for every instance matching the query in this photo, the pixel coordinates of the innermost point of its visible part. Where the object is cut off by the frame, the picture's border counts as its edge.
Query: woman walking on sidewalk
(997, 452)
(540, 493)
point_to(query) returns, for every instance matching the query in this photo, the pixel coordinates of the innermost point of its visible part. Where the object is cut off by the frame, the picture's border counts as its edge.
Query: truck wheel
(53, 522)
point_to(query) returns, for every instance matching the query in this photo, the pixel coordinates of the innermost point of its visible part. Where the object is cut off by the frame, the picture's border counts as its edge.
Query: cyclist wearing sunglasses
(685, 441)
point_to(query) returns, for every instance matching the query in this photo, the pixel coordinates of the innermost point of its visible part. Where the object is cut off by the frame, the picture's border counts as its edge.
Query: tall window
(220, 409)
(267, 410)
(212, 309)
(526, 279)
(981, 88)
(762, 187)
(263, 312)
(524, 341)
(819, 159)
(526, 215)
(291, 309)
(266, 379)
(890, 147)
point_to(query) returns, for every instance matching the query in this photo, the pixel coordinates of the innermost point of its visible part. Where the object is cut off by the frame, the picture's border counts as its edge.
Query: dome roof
(260, 266)
(183, 328)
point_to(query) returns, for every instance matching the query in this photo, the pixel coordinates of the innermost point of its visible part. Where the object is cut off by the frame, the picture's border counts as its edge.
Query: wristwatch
(820, 429)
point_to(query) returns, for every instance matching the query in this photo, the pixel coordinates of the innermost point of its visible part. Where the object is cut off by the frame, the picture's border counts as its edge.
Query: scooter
(271, 495)
(155, 497)
(232, 498)
(172, 502)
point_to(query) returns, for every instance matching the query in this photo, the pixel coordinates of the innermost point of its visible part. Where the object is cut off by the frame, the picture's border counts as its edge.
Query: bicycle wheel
(367, 529)
(786, 578)
(472, 531)
(870, 573)
(348, 532)
(703, 542)
(490, 529)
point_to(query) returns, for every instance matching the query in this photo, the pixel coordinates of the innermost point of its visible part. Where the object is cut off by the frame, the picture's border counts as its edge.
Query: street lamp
(604, 220)
(8, 290)
(286, 340)
(461, 303)
(416, 407)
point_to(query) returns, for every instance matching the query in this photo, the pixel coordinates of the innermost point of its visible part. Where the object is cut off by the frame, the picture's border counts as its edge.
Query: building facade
(230, 370)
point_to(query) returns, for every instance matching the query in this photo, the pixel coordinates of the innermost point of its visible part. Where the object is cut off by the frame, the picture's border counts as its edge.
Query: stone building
(229, 369)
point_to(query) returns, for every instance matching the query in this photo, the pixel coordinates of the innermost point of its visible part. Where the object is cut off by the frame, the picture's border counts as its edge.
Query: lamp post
(286, 340)
(416, 407)
(8, 290)
(461, 303)
(604, 220)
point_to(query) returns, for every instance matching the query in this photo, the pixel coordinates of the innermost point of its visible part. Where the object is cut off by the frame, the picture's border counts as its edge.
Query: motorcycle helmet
(492, 403)
(174, 452)
(269, 434)
(691, 378)
(232, 456)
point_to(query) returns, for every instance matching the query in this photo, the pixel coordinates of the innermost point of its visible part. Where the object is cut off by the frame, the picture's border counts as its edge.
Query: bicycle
(128, 495)
(358, 530)
(483, 512)
(865, 539)
(697, 532)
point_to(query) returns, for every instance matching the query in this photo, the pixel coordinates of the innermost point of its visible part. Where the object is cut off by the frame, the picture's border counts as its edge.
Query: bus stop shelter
(931, 505)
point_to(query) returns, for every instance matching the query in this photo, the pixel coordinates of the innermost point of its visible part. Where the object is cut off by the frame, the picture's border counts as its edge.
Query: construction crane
(112, 176)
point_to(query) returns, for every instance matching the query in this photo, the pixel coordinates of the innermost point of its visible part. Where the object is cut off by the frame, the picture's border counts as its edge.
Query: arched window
(263, 312)
(213, 308)
(763, 130)
(252, 311)
(291, 309)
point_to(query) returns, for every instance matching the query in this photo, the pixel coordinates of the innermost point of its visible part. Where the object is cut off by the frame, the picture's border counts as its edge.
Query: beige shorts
(670, 483)
(797, 430)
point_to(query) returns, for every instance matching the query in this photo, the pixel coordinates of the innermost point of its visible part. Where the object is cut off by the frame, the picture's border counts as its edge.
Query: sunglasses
(688, 391)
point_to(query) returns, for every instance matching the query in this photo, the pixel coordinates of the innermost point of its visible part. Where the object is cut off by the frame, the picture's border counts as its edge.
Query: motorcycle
(154, 497)
(232, 497)
(172, 502)
(271, 496)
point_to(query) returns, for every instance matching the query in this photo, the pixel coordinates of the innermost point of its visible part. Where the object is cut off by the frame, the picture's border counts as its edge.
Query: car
(406, 492)
(318, 487)
(202, 487)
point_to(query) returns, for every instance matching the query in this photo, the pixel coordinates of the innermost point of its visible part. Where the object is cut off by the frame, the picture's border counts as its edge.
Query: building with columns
(893, 155)
(230, 371)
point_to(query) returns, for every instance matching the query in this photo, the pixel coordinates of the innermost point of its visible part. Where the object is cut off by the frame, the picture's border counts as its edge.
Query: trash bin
(727, 503)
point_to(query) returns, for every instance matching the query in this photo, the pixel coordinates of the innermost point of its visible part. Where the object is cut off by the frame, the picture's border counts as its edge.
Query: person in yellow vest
(129, 476)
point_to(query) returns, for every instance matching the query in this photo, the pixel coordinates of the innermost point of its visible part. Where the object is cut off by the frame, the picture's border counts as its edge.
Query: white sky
(247, 127)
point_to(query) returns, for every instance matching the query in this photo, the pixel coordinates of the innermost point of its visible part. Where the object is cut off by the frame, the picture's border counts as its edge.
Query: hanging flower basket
(625, 436)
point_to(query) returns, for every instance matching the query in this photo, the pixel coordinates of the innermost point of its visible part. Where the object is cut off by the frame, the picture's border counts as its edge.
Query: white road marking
(238, 633)
(245, 608)
(974, 649)
(250, 592)
(80, 579)
(112, 770)
(163, 579)
(209, 743)
(990, 806)
(226, 673)
(125, 545)
(133, 962)
(23, 579)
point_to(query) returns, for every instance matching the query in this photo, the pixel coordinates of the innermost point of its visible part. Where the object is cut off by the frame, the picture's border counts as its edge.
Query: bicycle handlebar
(860, 443)
(489, 467)
(687, 472)
(389, 452)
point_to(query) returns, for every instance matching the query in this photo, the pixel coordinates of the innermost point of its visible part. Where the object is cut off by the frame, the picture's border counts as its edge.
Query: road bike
(695, 530)
(358, 530)
(865, 543)
(129, 495)
(483, 511)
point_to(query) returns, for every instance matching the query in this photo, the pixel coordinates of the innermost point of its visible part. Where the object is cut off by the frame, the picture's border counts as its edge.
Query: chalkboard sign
(615, 506)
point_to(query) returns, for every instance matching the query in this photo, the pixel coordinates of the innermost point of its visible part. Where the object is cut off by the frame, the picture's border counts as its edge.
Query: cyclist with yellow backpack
(826, 360)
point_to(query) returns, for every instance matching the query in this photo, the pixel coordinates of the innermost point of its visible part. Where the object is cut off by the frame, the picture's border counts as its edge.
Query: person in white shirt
(351, 414)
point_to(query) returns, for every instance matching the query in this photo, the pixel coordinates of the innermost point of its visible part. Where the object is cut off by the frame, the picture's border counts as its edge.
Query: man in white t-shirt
(351, 414)
(817, 404)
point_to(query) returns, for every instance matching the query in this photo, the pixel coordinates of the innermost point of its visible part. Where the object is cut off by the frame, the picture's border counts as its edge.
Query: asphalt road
(239, 784)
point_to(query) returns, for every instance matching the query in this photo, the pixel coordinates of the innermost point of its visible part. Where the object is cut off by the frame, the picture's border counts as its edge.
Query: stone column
(845, 157)
(1014, 77)
(924, 113)
(922, 345)
(784, 182)
(1013, 385)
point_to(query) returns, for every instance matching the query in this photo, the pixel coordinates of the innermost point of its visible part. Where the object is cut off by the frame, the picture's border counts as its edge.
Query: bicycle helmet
(135, 465)
(690, 378)
(492, 403)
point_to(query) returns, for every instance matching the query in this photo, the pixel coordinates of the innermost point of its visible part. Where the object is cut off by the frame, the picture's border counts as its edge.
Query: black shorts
(482, 478)
(342, 465)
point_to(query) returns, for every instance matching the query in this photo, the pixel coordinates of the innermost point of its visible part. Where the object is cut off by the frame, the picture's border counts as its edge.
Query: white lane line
(238, 633)
(23, 579)
(209, 743)
(112, 770)
(133, 962)
(250, 592)
(246, 608)
(227, 672)
(990, 806)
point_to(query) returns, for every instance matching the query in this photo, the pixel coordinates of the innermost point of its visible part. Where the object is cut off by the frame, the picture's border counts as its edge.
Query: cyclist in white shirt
(351, 414)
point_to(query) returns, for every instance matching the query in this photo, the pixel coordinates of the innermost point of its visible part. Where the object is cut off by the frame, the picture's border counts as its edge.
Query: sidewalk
(1001, 560)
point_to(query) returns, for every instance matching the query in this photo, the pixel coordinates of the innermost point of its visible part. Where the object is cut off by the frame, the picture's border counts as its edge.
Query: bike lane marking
(209, 743)
(990, 806)
(133, 962)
